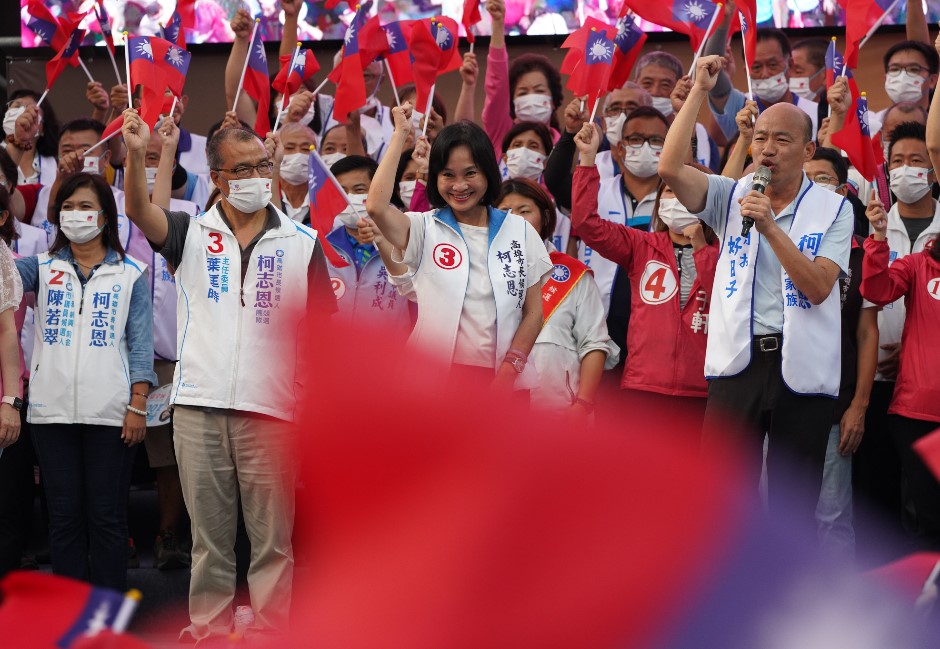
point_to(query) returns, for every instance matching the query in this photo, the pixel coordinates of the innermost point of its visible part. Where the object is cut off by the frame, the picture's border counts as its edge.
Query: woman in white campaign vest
(477, 270)
(91, 370)
(573, 348)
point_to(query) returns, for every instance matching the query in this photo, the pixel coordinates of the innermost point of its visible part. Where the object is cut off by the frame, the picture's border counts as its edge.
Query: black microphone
(761, 180)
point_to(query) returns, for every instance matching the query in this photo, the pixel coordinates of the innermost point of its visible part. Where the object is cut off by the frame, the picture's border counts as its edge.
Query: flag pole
(874, 28)
(241, 79)
(173, 107)
(113, 63)
(597, 100)
(127, 65)
(123, 617)
(43, 96)
(391, 80)
(101, 141)
(427, 114)
(320, 87)
(85, 68)
(285, 100)
(747, 66)
(708, 34)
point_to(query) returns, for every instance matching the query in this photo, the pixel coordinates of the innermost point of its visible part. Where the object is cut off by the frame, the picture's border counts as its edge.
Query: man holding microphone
(773, 355)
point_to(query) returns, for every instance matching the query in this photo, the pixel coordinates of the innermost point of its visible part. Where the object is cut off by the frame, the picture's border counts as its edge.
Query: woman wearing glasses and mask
(92, 368)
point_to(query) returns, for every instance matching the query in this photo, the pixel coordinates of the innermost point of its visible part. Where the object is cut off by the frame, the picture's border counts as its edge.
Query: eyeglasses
(825, 179)
(910, 68)
(264, 169)
(615, 109)
(637, 141)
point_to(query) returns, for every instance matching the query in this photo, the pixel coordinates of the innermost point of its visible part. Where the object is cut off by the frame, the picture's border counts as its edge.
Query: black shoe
(168, 554)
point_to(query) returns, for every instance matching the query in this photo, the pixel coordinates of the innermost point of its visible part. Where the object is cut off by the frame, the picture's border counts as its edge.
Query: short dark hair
(215, 128)
(8, 168)
(214, 147)
(102, 189)
(473, 137)
(541, 131)
(48, 144)
(82, 124)
(526, 63)
(531, 189)
(838, 163)
(772, 33)
(907, 131)
(365, 144)
(816, 49)
(645, 111)
(353, 163)
(930, 54)
(8, 229)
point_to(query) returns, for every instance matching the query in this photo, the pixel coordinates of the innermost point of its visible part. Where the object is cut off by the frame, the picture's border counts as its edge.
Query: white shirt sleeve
(412, 255)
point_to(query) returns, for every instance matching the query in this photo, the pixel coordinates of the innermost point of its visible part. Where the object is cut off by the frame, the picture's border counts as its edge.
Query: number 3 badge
(447, 256)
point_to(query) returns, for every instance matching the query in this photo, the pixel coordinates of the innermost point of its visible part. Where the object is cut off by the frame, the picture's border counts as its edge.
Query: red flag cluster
(62, 34)
(157, 65)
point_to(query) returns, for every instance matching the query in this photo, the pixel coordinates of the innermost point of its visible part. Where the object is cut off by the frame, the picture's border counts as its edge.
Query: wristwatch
(16, 402)
(517, 359)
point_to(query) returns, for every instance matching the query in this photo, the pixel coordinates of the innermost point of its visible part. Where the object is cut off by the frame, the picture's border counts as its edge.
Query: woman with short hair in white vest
(773, 352)
(477, 270)
(92, 368)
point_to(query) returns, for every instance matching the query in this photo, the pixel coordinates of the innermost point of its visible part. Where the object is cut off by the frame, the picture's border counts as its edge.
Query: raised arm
(917, 29)
(717, 45)
(933, 124)
(558, 166)
(734, 167)
(289, 31)
(242, 25)
(163, 183)
(145, 215)
(839, 102)
(689, 184)
(469, 73)
(390, 220)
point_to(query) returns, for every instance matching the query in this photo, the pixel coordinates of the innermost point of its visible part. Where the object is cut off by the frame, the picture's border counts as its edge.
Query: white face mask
(523, 162)
(9, 119)
(642, 162)
(349, 217)
(329, 159)
(249, 195)
(674, 215)
(799, 86)
(295, 168)
(79, 226)
(614, 128)
(771, 89)
(903, 86)
(533, 108)
(406, 190)
(663, 105)
(832, 188)
(151, 178)
(910, 184)
(92, 165)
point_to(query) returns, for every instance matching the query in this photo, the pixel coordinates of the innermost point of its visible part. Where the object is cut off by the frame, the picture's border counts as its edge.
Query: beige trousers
(221, 454)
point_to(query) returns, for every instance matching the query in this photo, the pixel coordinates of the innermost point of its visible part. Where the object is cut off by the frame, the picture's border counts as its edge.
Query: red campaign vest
(666, 343)
(566, 273)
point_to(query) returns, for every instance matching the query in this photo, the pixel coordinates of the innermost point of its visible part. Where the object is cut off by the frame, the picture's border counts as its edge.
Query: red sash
(567, 272)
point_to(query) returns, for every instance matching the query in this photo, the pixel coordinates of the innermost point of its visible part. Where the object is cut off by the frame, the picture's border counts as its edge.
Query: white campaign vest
(612, 206)
(891, 316)
(238, 342)
(80, 365)
(441, 288)
(370, 298)
(562, 231)
(811, 353)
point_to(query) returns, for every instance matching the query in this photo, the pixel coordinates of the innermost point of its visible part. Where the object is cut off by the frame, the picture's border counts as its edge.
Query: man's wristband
(136, 411)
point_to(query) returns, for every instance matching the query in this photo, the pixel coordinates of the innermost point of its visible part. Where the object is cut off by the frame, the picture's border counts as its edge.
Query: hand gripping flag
(690, 17)
(471, 16)
(68, 55)
(257, 83)
(629, 41)
(327, 199)
(855, 139)
(860, 17)
(398, 56)
(295, 69)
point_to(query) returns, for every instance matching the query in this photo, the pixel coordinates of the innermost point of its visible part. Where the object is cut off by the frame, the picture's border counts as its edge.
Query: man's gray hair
(214, 148)
(645, 99)
(663, 60)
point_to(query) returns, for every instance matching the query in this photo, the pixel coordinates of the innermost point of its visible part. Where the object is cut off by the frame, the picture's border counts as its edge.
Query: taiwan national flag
(68, 55)
(53, 31)
(593, 76)
(690, 17)
(41, 610)
(834, 64)
(860, 16)
(471, 16)
(576, 42)
(747, 18)
(444, 31)
(348, 77)
(257, 83)
(174, 32)
(326, 201)
(147, 73)
(398, 56)
(173, 61)
(295, 69)
(629, 41)
(855, 139)
(104, 22)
